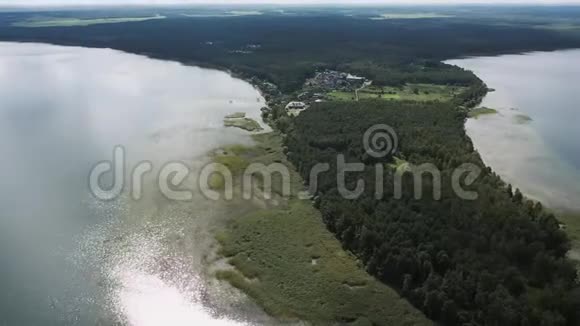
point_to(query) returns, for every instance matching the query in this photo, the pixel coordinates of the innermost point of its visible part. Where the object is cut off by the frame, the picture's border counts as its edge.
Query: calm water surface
(541, 156)
(68, 259)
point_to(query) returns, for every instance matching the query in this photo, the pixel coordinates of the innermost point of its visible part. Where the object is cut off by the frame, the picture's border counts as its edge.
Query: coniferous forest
(496, 260)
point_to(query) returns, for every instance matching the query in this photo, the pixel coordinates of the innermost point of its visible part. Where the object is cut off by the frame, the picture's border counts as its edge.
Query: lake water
(69, 259)
(533, 141)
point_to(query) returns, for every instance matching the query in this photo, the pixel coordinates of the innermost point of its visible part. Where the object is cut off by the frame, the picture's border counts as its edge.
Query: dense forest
(286, 49)
(496, 260)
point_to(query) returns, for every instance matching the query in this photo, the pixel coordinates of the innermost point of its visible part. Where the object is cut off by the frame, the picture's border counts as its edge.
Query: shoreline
(238, 75)
(308, 260)
(496, 112)
(563, 207)
(565, 211)
(507, 53)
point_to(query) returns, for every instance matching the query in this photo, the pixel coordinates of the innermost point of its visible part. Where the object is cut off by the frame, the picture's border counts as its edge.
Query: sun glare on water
(145, 283)
(147, 300)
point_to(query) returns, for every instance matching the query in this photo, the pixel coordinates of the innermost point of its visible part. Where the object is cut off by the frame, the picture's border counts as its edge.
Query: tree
(433, 304)
(477, 259)
(449, 312)
(518, 197)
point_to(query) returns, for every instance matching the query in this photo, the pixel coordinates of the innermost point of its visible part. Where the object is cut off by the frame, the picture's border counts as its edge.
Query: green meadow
(66, 22)
(418, 15)
(409, 92)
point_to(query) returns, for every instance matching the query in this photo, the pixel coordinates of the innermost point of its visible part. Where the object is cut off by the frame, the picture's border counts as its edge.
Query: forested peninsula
(497, 260)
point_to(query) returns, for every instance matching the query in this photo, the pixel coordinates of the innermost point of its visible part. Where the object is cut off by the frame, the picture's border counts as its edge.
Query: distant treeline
(291, 48)
(420, 71)
(497, 260)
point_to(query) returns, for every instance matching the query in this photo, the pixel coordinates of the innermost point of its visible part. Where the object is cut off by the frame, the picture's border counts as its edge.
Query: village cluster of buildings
(330, 80)
(316, 88)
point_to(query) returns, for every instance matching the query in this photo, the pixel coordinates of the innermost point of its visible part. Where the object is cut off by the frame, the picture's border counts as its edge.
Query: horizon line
(437, 3)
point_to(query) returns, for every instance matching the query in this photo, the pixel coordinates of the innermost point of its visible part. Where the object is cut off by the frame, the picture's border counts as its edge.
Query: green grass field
(290, 264)
(418, 15)
(410, 92)
(233, 13)
(65, 22)
(245, 13)
(341, 96)
(572, 222)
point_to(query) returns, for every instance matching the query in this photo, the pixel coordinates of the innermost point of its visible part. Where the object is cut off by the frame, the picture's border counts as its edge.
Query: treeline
(497, 260)
(428, 72)
(472, 96)
(293, 47)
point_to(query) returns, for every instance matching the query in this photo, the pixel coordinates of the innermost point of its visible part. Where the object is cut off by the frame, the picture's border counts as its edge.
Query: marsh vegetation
(499, 260)
(284, 257)
(481, 111)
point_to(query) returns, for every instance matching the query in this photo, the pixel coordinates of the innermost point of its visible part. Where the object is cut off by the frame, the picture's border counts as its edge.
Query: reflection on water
(146, 299)
(68, 259)
(147, 281)
(540, 155)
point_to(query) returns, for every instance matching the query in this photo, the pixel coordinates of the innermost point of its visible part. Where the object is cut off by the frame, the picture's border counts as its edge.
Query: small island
(522, 119)
(477, 112)
(239, 120)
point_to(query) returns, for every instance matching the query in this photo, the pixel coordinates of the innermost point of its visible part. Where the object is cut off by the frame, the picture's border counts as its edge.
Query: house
(295, 108)
(355, 81)
(296, 105)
